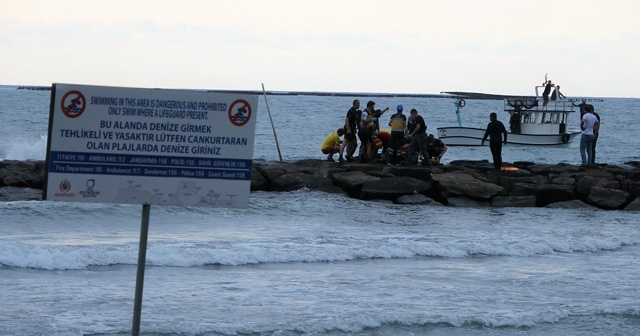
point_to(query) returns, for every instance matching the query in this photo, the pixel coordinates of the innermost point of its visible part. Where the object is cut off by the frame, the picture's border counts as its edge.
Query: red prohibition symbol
(73, 104)
(239, 112)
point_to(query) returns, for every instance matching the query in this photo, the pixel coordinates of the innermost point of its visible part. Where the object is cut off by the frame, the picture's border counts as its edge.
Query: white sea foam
(24, 149)
(50, 257)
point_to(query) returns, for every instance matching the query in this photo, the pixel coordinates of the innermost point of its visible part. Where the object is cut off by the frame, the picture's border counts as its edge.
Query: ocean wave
(24, 149)
(556, 322)
(232, 253)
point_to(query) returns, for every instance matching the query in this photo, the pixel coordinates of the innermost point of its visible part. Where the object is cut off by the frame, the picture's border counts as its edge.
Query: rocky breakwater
(462, 183)
(459, 183)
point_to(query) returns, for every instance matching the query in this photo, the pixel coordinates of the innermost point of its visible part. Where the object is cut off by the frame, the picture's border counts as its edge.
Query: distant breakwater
(459, 183)
(301, 93)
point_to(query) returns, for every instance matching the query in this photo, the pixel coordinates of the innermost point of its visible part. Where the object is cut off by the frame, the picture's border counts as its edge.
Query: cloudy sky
(590, 48)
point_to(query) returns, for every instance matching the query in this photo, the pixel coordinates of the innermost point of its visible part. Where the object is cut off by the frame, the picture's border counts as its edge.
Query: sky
(589, 48)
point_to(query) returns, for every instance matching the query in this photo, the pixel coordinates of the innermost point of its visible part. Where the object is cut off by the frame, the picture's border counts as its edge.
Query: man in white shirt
(589, 125)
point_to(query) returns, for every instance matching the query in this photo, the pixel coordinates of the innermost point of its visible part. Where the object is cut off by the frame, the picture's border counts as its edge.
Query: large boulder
(544, 193)
(418, 172)
(391, 188)
(12, 194)
(271, 171)
(607, 198)
(290, 182)
(258, 182)
(465, 185)
(26, 174)
(573, 204)
(508, 181)
(558, 169)
(513, 201)
(414, 199)
(586, 182)
(463, 202)
(634, 205)
(352, 181)
(633, 187)
(564, 180)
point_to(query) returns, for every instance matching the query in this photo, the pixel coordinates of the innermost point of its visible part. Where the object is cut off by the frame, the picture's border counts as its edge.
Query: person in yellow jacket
(331, 143)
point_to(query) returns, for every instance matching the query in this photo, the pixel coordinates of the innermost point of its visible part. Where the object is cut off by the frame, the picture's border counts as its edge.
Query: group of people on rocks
(407, 141)
(404, 143)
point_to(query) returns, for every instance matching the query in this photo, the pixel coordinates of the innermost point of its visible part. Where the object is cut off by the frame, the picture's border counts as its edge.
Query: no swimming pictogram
(73, 104)
(239, 112)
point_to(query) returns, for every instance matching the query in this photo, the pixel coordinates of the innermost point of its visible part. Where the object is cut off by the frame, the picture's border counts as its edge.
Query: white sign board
(155, 146)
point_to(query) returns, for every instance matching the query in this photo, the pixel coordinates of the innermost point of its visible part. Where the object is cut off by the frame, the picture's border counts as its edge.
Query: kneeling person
(436, 149)
(331, 144)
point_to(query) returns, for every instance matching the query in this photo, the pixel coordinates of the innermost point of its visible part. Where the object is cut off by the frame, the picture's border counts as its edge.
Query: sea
(313, 263)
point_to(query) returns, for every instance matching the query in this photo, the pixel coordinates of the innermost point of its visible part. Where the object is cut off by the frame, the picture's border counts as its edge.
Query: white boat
(530, 123)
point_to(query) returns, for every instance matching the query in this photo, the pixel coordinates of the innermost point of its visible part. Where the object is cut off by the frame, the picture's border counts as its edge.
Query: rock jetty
(459, 183)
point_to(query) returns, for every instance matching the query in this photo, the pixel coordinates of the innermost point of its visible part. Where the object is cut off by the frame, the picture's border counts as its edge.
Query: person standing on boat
(589, 126)
(418, 141)
(495, 132)
(557, 94)
(350, 124)
(398, 123)
(545, 93)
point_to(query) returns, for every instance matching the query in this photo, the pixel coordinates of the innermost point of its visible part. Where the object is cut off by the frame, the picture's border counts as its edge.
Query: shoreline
(460, 183)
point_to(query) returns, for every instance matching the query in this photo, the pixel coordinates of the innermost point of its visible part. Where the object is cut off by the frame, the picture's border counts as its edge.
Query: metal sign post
(142, 261)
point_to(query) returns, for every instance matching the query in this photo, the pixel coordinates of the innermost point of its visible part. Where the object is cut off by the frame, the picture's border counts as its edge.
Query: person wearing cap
(350, 125)
(398, 123)
(418, 141)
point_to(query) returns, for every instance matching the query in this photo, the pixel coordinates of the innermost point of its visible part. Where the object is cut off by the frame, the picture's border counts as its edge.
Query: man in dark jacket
(495, 131)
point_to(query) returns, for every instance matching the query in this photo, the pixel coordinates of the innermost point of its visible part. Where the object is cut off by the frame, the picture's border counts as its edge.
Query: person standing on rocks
(350, 125)
(589, 125)
(596, 133)
(418, 144)
(495, 132)
(398, 125)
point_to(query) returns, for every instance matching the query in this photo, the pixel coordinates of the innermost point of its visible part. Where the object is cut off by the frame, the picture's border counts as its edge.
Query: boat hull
(470, 136)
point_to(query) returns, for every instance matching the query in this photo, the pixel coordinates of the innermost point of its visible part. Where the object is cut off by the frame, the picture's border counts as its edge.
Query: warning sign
(240, 112)
(136, 146)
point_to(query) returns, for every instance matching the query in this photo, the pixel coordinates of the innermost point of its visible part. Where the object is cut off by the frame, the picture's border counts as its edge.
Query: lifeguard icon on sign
(239, 112)
(73, 104)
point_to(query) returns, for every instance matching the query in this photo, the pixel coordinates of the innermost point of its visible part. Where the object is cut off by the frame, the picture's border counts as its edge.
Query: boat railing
(534, 104)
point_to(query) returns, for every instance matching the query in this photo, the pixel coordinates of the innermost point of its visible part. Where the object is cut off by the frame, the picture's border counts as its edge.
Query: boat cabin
(528, 115)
